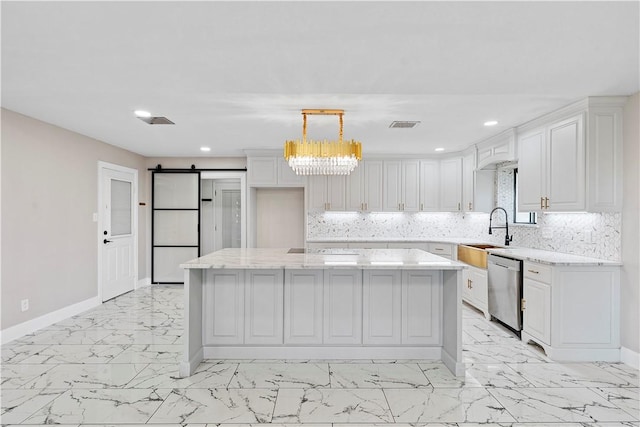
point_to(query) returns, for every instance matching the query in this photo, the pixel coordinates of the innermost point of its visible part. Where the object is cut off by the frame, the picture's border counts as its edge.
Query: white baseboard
(630, 357)
(143, 283)
(30, 326)
(321, 352)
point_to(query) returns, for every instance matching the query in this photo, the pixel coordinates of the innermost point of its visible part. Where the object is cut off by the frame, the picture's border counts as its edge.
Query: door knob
(105, 241)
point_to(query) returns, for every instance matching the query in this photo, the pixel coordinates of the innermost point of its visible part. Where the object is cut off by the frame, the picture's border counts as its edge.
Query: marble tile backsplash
(587, 234)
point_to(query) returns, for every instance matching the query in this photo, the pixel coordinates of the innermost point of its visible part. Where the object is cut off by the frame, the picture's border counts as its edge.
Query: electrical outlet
(24, 305)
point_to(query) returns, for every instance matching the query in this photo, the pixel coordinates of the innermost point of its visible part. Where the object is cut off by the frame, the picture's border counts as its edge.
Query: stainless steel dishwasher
(505, 290)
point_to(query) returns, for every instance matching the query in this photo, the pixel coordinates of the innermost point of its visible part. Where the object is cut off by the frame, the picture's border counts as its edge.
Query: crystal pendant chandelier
(322, 157)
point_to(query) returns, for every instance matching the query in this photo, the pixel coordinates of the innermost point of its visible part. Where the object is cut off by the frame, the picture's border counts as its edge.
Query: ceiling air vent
(156, 120)
(403, 124)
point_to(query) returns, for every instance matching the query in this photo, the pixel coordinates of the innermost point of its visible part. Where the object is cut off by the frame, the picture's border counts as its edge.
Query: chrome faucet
(507, 238)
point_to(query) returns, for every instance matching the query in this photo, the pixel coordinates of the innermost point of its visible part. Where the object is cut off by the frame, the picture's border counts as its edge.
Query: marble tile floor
(117, 365)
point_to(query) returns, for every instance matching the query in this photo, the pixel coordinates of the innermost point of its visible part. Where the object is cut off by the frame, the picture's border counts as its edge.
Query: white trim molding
(143, 283)
(630, 357)
(30, 326)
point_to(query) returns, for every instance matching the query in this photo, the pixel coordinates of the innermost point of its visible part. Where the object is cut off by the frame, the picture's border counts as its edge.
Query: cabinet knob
(533, 271)
(421, 206)
(546, 202)
(458, 205)
(523, 304)
(541, 202)
(470, 206)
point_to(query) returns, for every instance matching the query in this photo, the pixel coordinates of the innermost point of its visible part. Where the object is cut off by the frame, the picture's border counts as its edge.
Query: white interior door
(118, 230)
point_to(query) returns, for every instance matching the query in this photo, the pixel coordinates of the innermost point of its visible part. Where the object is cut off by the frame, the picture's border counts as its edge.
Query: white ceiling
(235, 75)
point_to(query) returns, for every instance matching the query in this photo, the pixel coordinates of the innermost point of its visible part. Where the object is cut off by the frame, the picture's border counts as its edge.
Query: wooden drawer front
(539, 272)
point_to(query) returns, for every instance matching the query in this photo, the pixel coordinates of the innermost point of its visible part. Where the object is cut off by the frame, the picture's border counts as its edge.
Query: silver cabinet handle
(533, 271)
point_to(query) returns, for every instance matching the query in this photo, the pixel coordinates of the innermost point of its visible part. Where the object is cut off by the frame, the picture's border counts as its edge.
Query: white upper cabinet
(326, 193)
(468, 179)
(271, 171)
(401, 185)
(572, 160)
(364, 187)
(451, 184)
(552, 167)
(429, 186)
(531, 171)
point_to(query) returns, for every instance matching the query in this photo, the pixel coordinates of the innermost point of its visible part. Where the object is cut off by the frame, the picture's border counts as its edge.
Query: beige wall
(630, 279)
(49, 193)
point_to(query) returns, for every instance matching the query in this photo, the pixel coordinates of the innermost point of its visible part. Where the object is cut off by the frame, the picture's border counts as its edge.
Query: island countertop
(264, 258)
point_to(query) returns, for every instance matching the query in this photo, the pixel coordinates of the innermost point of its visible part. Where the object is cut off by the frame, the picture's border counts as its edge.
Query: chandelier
(322, 157)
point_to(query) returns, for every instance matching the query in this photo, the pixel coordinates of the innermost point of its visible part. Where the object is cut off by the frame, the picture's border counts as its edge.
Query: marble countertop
(551, 258)
(253, 258)
(454, 240)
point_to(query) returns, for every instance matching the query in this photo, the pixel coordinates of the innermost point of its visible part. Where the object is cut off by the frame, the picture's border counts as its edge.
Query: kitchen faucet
(507, 238)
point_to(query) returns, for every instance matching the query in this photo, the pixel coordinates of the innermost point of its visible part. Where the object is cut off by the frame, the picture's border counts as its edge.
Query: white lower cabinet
(263, 306)
(402, 307)
(224, 292)
(303, 306)
(475, 288)
(421, 312)
(536, 314)
(382, 307)
(342, 306)
(573, 311)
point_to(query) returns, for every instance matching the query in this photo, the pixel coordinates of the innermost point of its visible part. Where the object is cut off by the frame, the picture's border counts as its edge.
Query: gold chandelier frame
(308, 157)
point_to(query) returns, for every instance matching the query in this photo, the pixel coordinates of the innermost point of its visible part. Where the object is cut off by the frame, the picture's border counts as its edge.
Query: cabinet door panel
(286, 175)
(429, 185)
(566, 166)
(262, 171)
(317, 197)
(263, 306)
(381, 305)
(421, 307)
(303, 307)
(451, 185)
(392, 185)
(411, 186)
(531, 171)
(336, 193)
(224, 307)
(342, 306)
(373, 185)
(468, 182)
(537, 313)
(354, 183)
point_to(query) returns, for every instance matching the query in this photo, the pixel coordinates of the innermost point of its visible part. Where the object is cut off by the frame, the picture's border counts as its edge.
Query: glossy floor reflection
(117, 364)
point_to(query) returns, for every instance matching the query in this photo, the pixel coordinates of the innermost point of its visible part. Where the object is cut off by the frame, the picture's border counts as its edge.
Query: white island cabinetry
(333, 304)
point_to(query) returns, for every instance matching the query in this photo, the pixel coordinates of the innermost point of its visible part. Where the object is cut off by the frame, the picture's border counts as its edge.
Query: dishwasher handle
(510, 263)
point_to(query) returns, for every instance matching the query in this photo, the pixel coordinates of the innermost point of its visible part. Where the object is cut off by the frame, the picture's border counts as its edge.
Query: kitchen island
(322, 304)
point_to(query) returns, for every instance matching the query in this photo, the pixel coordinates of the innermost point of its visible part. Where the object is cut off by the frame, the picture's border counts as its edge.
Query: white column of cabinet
(552, 167)
(271, 171)
(224, 293)
(475, 288)
(429, 186)
(401, 185)
(537, 296)
(342, 306)
(326, 193)
(263, 306)
(468, 181)
(573, 311)
(303, 306)
(364, 187)
(421, 307)
(451, 185)
(382, 307)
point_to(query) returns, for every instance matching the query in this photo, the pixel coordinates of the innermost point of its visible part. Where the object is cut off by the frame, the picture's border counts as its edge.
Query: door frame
(134, 229)
(242, 176)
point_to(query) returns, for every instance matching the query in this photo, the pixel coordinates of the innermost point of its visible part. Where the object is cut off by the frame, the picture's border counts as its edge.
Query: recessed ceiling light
(439, 149)
(491, 123)
(142, 113)
(205, 149)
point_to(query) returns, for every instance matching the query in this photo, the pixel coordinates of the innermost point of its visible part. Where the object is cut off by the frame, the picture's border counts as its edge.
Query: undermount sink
(475, 254)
